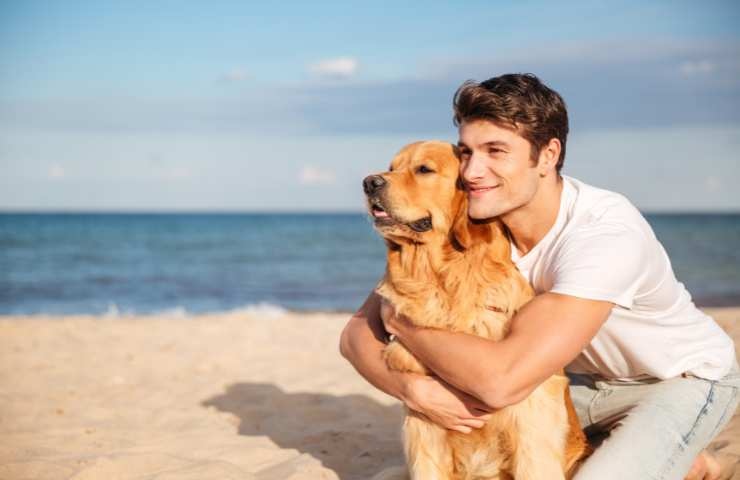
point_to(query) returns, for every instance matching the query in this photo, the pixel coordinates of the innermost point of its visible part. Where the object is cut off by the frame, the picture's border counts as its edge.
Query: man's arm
(545, 335)
(362, 344)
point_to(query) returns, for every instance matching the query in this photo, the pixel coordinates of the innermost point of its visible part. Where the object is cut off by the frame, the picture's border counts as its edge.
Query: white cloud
(311, 175)
(701, 67)
(56, 171)
(341, 67)
(238, 74)
(688, 56)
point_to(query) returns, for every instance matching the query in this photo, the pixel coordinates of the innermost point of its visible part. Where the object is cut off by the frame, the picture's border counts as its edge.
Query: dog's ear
(460, 233)
(465, 232)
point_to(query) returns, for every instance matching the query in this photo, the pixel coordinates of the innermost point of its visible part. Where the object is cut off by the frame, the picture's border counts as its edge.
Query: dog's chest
(486, 316)
(472, 293)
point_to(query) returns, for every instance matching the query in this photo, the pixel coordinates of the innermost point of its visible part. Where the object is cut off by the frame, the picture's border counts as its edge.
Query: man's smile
(479, 190)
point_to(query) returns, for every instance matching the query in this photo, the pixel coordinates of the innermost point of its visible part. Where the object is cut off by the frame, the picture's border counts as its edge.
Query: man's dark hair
(519, 101)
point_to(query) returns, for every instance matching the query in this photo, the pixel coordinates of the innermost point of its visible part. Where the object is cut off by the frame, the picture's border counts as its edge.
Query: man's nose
(373, 183)
(472, 169)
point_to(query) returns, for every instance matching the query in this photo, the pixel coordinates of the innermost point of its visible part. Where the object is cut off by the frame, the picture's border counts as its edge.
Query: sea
(182, 264)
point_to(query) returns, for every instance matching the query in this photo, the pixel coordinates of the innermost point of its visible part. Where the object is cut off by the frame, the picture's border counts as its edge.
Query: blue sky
(287, 106)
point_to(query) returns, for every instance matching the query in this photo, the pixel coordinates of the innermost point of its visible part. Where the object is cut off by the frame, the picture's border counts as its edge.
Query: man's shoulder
(605, 249)
(593, 206)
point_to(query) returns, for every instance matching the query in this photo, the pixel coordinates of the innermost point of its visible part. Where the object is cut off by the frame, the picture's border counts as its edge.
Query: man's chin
(482, 213)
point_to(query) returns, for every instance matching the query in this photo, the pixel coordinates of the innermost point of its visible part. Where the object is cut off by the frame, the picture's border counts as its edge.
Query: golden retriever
(445, 271)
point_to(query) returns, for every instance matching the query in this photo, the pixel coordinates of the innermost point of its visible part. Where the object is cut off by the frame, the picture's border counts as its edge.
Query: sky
(286, 106)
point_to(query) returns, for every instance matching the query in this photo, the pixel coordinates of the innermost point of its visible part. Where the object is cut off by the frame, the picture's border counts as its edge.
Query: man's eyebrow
(496, 143)
(492, 143)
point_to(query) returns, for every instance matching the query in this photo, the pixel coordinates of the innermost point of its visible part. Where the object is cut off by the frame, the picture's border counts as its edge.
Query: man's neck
(529, 223)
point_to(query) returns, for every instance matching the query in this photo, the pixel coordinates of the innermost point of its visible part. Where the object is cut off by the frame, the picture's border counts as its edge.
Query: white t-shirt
(601, 248)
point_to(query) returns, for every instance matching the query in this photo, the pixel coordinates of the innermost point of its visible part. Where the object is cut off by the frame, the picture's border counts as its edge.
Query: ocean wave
(262, 309)
(265, 309)
(113, 311)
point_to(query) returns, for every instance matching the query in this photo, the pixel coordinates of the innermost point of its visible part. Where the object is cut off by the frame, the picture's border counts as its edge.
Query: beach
(239, 395)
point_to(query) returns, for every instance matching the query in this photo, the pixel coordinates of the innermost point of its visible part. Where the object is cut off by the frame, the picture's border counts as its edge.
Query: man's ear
(548, 158)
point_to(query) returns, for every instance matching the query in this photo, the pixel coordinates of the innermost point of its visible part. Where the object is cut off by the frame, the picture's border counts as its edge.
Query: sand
(230, 396)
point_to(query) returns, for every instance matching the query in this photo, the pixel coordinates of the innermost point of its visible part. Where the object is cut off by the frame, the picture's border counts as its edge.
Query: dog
(446, 271)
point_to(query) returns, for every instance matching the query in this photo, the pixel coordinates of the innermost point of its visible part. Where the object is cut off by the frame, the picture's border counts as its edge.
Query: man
(646, 366)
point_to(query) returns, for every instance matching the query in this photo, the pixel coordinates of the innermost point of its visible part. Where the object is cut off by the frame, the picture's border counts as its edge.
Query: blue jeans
(650, 429)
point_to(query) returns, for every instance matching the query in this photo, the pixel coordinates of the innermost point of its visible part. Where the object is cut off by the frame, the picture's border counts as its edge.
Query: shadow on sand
(352, 435)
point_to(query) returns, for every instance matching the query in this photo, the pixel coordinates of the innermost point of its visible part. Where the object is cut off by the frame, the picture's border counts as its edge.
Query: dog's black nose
(373, 183)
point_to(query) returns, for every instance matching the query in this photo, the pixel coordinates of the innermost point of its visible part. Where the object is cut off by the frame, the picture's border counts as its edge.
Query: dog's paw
(398, 358)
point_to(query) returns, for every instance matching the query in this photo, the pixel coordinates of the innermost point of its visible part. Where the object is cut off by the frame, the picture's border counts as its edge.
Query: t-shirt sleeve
(601, 262)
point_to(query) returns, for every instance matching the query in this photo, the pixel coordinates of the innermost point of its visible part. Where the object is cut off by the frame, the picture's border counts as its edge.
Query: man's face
(496, 168)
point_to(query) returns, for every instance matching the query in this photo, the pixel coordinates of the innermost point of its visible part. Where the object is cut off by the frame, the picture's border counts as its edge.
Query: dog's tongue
(380, 213)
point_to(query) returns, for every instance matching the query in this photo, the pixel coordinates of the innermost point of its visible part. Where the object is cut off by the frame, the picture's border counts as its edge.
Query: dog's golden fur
(455, 274)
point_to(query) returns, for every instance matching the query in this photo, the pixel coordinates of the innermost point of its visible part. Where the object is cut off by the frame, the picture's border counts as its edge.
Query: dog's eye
(424, 169)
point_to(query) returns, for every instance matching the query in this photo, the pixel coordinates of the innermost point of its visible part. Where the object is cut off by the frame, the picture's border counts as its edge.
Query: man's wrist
(408, 393)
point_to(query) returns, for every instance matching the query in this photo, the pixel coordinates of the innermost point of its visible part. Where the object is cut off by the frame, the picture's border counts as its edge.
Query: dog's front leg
(540, 428)
(428, 453)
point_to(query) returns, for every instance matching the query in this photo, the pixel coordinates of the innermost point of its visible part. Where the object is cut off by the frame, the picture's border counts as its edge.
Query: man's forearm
(472, 364)
(362, 345)
(545, 335)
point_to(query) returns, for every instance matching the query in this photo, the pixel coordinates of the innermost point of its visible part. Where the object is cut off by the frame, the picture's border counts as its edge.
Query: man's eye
(494, 151)
(465, 153)
(424, 169)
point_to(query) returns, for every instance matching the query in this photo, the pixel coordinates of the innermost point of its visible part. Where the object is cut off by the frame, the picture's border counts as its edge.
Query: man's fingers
(705, 467)
(714, 469)
(472, 422)
(698, 469)
(696, 473)
(461, 429)
(473, 405)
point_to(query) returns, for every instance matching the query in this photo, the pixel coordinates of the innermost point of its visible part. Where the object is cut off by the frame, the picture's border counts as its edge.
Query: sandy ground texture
(237, 396)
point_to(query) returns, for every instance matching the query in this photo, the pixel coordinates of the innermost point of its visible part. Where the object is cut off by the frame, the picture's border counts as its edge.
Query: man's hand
(445, 405)
(440, 402)
(705, 467)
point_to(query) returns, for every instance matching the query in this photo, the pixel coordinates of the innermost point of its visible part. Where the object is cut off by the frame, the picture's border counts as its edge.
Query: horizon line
(279, 211)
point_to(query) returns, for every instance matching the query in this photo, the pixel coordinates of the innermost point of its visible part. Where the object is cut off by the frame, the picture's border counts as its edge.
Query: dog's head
(420, 199)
